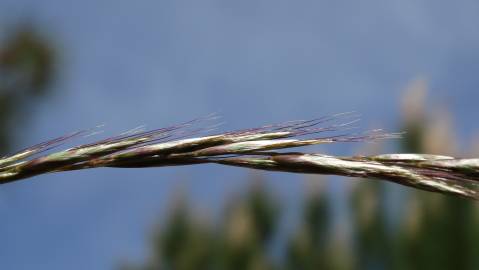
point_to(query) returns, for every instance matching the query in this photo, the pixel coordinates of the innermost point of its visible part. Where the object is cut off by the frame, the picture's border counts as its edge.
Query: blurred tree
(184, 244)
(239, 242)
(26, 72)
(373, 246)
(308, 248)
(248, 227)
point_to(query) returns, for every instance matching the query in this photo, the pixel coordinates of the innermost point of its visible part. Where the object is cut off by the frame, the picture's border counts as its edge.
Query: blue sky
(128, 63)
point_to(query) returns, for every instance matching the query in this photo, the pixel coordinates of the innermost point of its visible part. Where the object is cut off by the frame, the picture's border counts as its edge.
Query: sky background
(129, 63)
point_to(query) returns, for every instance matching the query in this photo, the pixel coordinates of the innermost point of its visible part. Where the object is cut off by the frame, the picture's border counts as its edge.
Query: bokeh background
(404, 65)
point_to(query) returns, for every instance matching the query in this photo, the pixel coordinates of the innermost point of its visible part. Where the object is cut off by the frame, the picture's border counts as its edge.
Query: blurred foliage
(26, 72)
(240, 241)
(429, 231)
(311, 237)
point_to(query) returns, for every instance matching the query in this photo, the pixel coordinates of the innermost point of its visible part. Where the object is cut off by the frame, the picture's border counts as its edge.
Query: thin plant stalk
(257, 148)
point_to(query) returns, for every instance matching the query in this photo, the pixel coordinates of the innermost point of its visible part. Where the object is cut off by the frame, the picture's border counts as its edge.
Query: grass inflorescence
(256, 148)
